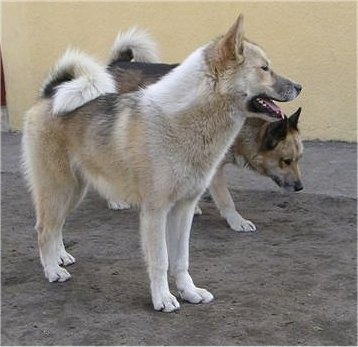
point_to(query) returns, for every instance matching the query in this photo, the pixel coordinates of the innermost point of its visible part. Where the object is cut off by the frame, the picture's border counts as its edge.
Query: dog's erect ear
(230, 46)
(239, 43)
(293, 120)
(232, 42)
(275, 132)
(279, 129)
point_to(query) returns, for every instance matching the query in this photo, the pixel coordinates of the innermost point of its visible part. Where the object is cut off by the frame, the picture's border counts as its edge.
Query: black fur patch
(293, 120)
(148, 69)
(275, 132)
(50, 88)
(125, 56)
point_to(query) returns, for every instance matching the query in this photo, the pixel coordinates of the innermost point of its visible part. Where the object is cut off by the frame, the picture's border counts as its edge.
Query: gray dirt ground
(294, 282)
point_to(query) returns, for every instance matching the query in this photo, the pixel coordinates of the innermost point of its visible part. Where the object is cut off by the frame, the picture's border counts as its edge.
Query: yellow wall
(311, 42)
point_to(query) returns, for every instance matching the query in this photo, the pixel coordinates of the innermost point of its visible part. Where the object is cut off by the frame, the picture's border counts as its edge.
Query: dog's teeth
(280, 114)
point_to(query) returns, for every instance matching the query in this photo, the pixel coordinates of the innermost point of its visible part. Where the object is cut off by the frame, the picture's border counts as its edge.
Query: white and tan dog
(273, 149)
(157, 148)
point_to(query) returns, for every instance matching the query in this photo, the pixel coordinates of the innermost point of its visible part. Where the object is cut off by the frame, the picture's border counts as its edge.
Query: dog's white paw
(118, 205)
(196, 295)
(238, 223)
(198, 211)
(66, 259)
(166, 302)
(56, 274)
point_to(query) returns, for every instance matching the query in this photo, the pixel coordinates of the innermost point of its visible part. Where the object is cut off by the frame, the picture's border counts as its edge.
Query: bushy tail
(134, 45)
(76, 79)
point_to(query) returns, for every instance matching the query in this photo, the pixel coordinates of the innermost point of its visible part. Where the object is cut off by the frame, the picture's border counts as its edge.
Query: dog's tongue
(269, 104)
(275, 109)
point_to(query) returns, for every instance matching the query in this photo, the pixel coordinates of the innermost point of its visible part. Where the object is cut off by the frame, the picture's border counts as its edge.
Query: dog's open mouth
(263, 104)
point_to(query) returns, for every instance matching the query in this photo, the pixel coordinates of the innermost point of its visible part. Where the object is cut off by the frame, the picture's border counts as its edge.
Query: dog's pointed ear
(293, 120)
(239, 42)
(275, 132)
(230, 46)
(232, 42)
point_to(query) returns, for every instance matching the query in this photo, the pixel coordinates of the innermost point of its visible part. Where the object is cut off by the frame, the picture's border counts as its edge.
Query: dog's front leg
(153, 222)
(223, 200)
(178, 233)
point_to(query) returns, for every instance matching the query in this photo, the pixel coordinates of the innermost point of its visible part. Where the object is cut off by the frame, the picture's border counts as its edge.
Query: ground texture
(293, 282)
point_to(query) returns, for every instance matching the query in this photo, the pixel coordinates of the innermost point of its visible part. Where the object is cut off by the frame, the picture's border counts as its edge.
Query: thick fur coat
(157, 148)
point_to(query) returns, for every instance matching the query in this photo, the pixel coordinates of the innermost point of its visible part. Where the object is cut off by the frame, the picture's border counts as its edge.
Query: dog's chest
(192, 182)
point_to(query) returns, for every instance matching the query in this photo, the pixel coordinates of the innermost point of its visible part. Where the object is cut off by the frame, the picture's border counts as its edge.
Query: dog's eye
(287, 161)
(265, 68)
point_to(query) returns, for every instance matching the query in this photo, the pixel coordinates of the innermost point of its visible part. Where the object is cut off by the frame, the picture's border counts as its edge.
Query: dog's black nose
(298, 186)
(298, 88)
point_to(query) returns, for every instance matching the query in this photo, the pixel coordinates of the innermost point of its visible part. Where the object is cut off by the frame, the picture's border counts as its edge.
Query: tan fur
(247, 147)
(273, 161)
(249, 142)
(158, 148)
(248, 150)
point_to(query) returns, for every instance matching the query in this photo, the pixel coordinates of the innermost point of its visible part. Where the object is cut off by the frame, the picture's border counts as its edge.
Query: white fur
(187, 87)
(223, 200)
(179, 222)
(54, 254)
(118, 205)
(182, 127)
(90, 80)
(184, 85)
(143, 48)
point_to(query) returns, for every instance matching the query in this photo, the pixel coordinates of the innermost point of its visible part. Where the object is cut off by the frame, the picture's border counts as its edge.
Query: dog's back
(131, 76)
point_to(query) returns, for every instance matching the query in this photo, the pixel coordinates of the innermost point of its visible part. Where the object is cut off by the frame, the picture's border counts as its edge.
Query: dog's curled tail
(76, 79)
(134, 44)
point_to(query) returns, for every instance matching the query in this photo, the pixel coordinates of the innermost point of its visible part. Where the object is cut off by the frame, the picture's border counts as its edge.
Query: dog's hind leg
(223, 200)
(77, 194)
(152, 225)
(178, 234)
(53, 203)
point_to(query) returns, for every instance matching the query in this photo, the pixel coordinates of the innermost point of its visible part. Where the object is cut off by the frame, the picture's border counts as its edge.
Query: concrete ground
(291, 283)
